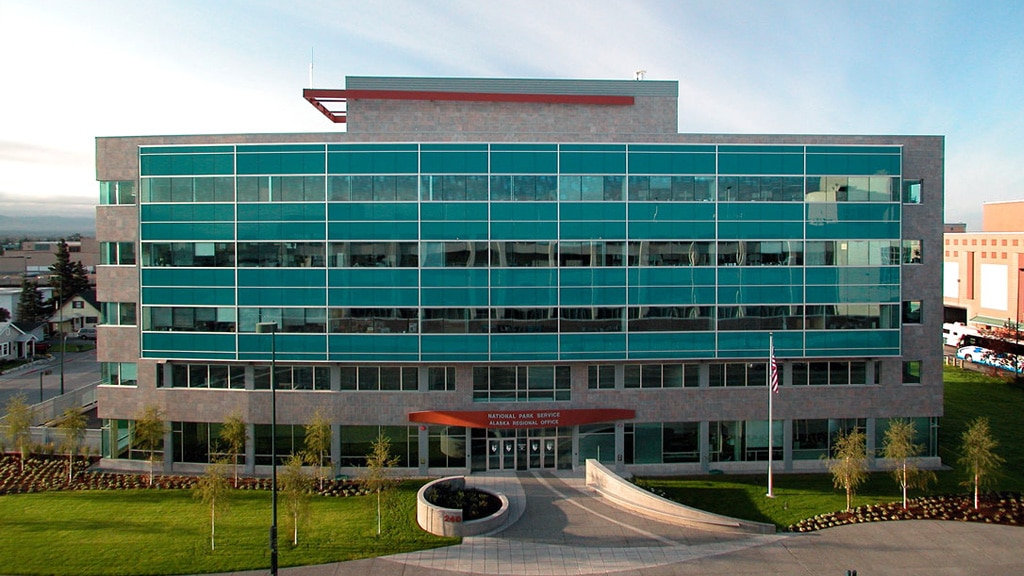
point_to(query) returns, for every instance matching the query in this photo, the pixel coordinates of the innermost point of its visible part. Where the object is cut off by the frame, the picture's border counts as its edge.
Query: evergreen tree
(5, 314)
(30, 303)
(69, 278)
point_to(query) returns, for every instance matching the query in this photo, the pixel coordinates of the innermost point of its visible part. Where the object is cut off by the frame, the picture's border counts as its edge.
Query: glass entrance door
(543, 452)
(501, 454)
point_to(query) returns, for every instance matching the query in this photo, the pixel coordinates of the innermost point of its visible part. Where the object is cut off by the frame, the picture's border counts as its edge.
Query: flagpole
(770, 384)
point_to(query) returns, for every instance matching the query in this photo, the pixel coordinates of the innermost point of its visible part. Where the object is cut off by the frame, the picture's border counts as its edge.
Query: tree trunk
(977, 481)
(213, 524)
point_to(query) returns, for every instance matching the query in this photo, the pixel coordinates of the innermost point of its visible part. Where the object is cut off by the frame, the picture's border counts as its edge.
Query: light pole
(41, 374)
(271, 328)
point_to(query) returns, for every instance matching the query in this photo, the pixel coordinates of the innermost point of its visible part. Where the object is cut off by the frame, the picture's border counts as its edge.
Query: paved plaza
(558, 526)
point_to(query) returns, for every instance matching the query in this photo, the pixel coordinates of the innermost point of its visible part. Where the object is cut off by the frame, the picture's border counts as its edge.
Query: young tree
(69, 277)
(149, 434)
(213, 489)
(30, 303)
(899, 448)
(72, 428)
(19, 425)
(295, 487)
(377, 477)
(977, 455)
(233, 432)
(849, 464)
(318, 444)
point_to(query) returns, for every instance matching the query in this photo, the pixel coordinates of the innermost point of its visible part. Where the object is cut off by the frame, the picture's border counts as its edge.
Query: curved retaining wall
(635, 499)
(448, 521)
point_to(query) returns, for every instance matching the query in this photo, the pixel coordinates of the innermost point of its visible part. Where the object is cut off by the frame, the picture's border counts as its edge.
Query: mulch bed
(45, 473)
(993, 508)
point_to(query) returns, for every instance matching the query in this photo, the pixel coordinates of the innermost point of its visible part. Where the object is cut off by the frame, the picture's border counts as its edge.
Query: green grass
(167, 532)
(968, 394)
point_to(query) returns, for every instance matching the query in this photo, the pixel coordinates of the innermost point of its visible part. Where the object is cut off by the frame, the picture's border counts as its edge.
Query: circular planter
(442, 521)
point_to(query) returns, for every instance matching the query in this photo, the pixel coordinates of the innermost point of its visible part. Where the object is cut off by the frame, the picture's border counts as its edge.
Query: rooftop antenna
(639, 75)
(311, 67)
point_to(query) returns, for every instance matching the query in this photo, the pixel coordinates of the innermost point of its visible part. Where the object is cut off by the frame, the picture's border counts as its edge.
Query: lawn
(167, 532)
(968, 394)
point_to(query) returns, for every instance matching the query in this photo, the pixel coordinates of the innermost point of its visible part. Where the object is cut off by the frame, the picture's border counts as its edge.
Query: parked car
(973, 353)
(86, 334)
(42, 347)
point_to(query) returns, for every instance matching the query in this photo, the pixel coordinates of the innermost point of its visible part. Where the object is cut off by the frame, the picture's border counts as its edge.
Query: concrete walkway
(558, 526)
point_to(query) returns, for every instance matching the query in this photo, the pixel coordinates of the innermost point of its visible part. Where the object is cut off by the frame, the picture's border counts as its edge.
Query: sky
(73, 70)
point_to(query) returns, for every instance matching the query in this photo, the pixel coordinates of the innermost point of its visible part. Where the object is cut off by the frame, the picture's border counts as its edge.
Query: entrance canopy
(520, 418)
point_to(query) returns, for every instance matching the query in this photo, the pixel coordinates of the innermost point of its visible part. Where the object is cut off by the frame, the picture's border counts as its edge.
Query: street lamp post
(41, 374)
(271, 328)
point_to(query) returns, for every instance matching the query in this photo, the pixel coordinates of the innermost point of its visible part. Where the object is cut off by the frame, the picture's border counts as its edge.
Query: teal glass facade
(504, 252)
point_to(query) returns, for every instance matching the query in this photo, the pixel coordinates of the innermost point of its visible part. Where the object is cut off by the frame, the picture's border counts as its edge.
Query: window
(738, 374)
(912, 372)
(911, 251)
(119, 313)
(373, 320)
(911, 311)
(280, 254)
(205, 254)
(376, 254)
(441, 378)
(216, 376)
(831, 373)
(662, 443)
(379, 378)
(117, 192)
(600, 377)
(118, 374)
(293, 377)
(117, 253)
(521, 384)
(78, 305)
(912, 191)
(280, 188)
(370, 188)
(189, 189)
(290, 320)
(188, 319)
(661, 375)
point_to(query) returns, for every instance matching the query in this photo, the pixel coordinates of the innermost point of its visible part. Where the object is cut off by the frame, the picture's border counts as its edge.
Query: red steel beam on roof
(317, 97)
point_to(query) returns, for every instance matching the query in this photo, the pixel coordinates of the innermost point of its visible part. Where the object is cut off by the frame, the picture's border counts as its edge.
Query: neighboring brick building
(521, 274)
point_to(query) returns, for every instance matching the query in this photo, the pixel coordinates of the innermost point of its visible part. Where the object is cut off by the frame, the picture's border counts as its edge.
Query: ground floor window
(446, 447)
(814, 439)
(357, 443)
(743, 440)
(662, 443)
(290, 439)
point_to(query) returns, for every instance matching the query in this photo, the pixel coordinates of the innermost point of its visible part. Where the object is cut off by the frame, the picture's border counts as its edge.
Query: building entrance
(522, 452)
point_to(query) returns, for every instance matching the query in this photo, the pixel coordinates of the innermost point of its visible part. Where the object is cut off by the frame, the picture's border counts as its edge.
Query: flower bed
(993, 508)
(49, 472)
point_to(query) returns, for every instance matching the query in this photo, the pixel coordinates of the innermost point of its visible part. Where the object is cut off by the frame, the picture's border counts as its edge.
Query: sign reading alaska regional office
(520, 418)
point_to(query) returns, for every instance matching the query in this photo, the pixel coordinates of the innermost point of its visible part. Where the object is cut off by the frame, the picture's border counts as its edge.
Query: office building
(519, 274)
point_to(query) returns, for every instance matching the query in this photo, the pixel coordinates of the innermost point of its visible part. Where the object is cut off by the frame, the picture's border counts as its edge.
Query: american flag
(773, 368)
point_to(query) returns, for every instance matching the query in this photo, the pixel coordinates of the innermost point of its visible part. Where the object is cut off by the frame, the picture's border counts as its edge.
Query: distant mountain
(47, 225)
